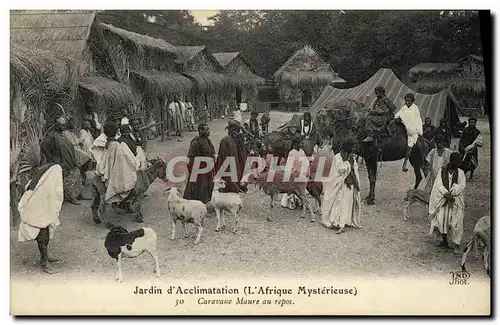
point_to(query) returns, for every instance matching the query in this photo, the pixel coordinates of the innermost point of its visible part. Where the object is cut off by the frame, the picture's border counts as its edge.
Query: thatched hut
(149, 65)
(304, 76)
(242, 74)
(465, 78)
(211, 88)
(76, 38)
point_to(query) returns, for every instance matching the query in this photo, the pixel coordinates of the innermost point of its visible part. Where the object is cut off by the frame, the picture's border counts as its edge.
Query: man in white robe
(446, 204)
(177, 110)
(39, 210)
(437, 158)
(409, 115)
(342, 200)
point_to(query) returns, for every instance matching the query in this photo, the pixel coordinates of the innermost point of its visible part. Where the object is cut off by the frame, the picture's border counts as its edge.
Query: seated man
(409, 115)
(379, 116)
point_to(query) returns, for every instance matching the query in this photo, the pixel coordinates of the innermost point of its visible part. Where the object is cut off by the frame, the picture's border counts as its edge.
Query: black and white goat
(123, 244)
(481, 237)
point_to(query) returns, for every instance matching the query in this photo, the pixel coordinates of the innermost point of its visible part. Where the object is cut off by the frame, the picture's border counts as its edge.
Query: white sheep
(187, 211)
(121, 243)
(221, 202)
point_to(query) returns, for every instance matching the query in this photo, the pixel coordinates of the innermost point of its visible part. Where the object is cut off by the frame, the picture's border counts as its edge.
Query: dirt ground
(290, 245)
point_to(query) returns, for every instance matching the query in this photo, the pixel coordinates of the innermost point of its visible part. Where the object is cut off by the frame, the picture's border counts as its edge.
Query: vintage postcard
(250, 162)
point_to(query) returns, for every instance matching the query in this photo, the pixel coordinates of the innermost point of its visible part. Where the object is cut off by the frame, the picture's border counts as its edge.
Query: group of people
(115, 154)
(445, 182)
(117, 149)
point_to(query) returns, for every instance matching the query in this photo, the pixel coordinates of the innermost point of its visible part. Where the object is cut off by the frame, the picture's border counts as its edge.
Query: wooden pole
(162, 123)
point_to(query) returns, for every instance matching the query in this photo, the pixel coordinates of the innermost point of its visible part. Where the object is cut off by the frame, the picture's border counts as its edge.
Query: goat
(481, 236)
(187, 211)
(279, 186)
(225, 201)
(412, 196)
(123, 244)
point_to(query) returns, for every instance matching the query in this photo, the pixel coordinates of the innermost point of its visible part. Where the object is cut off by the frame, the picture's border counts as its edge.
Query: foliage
(355, 43)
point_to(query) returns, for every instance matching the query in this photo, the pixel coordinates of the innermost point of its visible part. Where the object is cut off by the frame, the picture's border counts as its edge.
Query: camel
(392, 147)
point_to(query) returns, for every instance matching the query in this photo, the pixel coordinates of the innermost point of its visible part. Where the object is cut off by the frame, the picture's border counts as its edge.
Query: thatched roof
(433, 68)
(202, 68)
(188, 53)
(240, 79)
(140, 41)
(225, 58)
(209, 81)
(159, 84)
(40, 73)
(306, 68)
(64, 32)
(107, 92)
(457, 85)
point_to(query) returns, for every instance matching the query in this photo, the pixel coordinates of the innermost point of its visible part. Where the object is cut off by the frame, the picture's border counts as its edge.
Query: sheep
(225, 201)
(481, 236)
(279, 186)
(187, 211)
(123, 244)
(413, 195)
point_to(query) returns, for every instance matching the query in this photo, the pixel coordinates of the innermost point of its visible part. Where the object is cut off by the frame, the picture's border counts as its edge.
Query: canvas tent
(435, 106)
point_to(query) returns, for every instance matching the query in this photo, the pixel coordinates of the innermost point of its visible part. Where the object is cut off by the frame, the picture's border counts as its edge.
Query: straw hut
(242, 74)
(465, 78)
(303, 77)
(149, 65)
(75, 36)
(211, 87)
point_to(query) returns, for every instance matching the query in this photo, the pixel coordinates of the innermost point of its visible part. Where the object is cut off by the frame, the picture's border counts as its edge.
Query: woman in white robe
(39, 209)
(447, 205)
(342, 200)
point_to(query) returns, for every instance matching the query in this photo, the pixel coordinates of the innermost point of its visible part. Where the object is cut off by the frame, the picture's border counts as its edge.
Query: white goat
(481, 236)
(221, 202)
(187, 211)
(123, 244)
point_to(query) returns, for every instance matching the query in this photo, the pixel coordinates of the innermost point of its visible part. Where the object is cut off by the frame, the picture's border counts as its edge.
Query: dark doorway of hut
(306, 98)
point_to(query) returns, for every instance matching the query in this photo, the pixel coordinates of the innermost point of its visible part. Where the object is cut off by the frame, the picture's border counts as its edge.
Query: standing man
(429, 132)
(86, 141)
(471, 140)
(264, 122)
(409, 115)
(177, 113)
(58, 150)
(201, 146)
(341, 205)
(379, 116)
(444, 130)
(437, 158)
(39, 209)
(232, 146)
(140, 141)
(446, 204)
(190, 115)
(253, 124)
